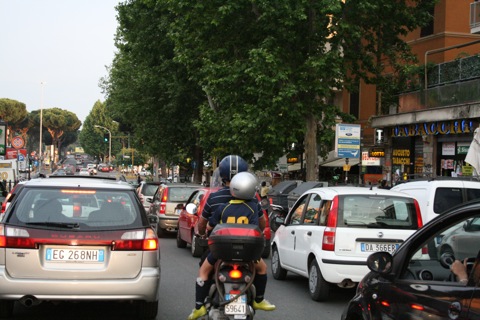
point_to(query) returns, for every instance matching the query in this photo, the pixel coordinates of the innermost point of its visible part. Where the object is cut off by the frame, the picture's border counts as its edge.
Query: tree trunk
(311, 157)
(198, 170)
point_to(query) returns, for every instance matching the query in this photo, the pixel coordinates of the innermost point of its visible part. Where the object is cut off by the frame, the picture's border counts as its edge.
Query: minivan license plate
(75, 255)
(237, 306)
(378, 247)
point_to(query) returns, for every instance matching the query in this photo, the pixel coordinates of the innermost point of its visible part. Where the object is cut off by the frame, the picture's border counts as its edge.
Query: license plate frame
(371, 247)
(237, 306)
(78, 255)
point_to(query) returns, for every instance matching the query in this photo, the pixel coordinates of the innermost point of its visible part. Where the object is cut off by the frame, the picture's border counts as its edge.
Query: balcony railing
(441, 96)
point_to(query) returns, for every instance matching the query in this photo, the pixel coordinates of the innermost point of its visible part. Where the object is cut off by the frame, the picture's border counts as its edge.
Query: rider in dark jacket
(240, 206)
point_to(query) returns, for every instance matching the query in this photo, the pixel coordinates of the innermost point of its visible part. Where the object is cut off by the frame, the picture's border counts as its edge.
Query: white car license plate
(377, 247)
(75, 255)
(237, 306)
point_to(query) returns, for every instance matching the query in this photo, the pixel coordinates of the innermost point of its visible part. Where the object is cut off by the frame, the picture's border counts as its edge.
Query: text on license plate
(377, 247)
(237, 306)
(80, 255)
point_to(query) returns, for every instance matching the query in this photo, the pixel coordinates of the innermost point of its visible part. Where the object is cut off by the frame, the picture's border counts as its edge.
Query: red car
(187, 224)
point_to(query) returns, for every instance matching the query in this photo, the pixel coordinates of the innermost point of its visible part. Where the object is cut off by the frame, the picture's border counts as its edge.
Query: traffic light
(105, 137)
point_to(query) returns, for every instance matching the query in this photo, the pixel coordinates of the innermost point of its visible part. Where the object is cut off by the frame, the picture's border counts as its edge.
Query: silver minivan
(78, 239)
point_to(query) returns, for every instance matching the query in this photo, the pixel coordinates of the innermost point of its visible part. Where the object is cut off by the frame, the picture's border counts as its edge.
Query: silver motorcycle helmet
(243, 186)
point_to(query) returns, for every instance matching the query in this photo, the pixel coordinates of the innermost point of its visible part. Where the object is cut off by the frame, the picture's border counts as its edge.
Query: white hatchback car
(329, 233)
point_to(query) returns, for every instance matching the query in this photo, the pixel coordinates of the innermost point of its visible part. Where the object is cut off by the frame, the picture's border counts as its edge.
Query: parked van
(437, 195)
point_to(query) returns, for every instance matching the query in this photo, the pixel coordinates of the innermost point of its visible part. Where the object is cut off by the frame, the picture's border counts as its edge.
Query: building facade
(427, 134)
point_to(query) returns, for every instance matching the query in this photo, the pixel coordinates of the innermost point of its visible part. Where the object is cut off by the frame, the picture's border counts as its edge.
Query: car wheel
(266, 250)
(180, 242)
(197, 250)
(147, 310)
(318, 287)
(278, 272)
(6, 309)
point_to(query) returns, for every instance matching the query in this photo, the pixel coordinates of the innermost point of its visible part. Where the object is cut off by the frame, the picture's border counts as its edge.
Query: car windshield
(378, 211)
(180, 194)
(76, 209)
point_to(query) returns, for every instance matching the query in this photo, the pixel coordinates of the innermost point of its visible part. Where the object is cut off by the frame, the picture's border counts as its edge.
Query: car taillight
(328, 243)
(162, 208)
(419, 213)
(15, 238)
(165, 195)
(145, 240)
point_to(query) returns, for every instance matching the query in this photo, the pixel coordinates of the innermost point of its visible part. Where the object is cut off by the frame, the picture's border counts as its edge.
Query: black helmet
(243, 186)
(230, 166)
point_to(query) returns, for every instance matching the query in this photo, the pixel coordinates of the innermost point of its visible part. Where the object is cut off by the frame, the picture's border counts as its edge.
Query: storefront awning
(332, 161)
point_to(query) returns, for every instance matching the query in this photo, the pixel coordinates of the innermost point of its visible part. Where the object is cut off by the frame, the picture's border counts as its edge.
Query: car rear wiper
(355, 223)
(66, 225)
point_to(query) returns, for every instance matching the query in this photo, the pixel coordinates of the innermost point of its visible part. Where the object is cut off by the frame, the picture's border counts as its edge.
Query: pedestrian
(264, 190)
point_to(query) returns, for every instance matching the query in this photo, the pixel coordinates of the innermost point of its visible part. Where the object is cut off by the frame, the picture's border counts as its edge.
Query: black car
(416, 282)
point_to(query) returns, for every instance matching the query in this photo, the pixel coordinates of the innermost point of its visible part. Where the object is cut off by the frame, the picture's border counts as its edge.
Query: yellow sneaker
(197, 313)
(263, 305)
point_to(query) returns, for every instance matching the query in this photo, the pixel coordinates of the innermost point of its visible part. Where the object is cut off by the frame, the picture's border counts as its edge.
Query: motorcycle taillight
(235, 273)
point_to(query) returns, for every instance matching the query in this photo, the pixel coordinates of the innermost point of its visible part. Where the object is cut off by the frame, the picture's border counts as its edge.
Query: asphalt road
(179, 271)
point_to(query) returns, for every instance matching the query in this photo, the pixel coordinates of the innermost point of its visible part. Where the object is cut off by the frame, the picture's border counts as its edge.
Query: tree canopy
(247, 76)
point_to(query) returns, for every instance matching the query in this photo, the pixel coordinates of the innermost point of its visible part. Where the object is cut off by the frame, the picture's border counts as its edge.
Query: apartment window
(355, 104)
(428, 29)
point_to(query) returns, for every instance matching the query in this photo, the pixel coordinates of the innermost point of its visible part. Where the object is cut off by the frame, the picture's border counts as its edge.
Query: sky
(65, 44)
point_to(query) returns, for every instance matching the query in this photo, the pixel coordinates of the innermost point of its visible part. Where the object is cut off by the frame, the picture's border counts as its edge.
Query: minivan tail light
(419, 213)
(165, 195)
(162, 208)
(328, 243)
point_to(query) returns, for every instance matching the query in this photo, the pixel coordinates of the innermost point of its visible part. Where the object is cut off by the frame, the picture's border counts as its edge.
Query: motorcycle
(237, 247)
(276, 211)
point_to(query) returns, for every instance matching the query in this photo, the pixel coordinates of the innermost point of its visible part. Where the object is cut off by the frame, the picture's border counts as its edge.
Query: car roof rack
(84, 177)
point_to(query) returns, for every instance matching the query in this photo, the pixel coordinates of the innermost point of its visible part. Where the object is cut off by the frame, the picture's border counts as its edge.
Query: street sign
(18, 142)
(21, 157)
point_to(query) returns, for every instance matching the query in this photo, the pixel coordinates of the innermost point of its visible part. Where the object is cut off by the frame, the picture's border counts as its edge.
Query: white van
(436, 196)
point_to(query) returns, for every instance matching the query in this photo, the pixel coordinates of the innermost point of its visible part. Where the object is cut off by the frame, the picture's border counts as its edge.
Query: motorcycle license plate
(237, 306)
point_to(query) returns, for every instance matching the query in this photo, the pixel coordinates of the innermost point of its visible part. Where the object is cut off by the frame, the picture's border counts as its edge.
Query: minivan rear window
(377, 212)
(446, 198)
(79, 208)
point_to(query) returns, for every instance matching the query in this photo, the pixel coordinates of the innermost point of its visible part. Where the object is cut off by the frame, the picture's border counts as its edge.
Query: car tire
(180, 242)
(6, 309)
(277, 271)
(147, 310)
(266, 250)
(318, 287)
(197, 250)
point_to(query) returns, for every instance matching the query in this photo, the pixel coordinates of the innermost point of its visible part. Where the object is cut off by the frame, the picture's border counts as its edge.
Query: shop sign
(376, 152)
(462, 147)
(401, 156)
(433, 128)
(292, 160)
(369, 161)
(467, 170)
(448, 148)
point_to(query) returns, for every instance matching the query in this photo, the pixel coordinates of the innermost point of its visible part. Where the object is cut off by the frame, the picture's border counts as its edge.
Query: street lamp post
(41, 128)
(109, 142)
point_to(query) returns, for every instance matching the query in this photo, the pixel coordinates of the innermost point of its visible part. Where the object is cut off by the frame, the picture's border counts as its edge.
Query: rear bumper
(144, 287)
(335, 271)
(168, 223)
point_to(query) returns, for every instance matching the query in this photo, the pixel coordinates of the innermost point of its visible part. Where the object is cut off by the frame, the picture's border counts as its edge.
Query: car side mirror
(191, 208)
(380, 262)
